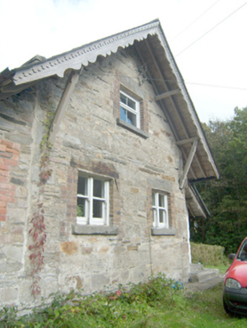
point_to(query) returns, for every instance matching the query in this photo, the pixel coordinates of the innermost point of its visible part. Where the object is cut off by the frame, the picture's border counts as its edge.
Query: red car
(235, 283)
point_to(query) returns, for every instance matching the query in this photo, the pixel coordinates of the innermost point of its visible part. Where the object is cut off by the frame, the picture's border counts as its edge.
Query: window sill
(163, 232)
(132, 128)
(80, 229)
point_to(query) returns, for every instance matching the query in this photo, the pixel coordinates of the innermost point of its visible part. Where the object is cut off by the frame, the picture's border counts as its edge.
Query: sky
(206, 37)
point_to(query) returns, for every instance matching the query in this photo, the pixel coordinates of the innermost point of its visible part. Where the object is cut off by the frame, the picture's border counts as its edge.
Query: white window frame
(131, 110)
(156, 210)
(88, 219)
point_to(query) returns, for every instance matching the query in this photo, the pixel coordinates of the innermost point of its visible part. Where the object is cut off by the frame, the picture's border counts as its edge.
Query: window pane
(131, 118)
(81, 206)
(153, 199)
(161, 200)
(82, 186)
(131, 104)
(162, 216)
(97, 208)
(123, 99)
(123, 114)
(98, 188)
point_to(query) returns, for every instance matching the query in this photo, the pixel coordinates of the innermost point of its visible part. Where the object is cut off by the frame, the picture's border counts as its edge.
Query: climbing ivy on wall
(38, 229)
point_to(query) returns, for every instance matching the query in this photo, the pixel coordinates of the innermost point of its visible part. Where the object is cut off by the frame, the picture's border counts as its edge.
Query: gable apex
(82, 56)
(170, 91)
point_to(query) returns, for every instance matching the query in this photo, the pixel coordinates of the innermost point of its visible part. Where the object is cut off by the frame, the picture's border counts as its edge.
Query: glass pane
(161, 200)
(82, 186)
(243, 253)
(131, 118)
(162, 216)
(81, 206)
(153, 199)
(97, 208)
(123, 99)
(98, 188)
(123, 114)
(131, 104)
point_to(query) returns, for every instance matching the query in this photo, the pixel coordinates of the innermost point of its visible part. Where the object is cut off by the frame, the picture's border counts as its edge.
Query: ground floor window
(160, 210)
(92, 200)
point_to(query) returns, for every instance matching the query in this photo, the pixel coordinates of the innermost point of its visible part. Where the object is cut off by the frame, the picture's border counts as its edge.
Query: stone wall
(91, 139)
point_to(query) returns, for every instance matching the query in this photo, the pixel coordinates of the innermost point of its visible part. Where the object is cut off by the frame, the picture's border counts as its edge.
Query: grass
(222, 267)
(155, 304)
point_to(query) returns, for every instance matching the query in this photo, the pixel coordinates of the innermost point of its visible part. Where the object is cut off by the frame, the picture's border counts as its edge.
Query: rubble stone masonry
(89, 139)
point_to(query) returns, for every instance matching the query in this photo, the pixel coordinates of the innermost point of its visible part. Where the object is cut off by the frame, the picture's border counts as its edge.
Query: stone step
(194, 268)
(201, 286)
(203, 275)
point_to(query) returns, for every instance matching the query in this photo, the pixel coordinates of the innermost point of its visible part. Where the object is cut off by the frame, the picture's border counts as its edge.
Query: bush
(124, 308)
(208, 254)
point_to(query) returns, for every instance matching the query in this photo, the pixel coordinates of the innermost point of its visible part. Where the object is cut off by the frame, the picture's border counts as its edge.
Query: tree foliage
(226, 198)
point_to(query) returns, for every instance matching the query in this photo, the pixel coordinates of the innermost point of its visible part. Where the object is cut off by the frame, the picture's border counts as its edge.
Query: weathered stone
(69, 247)
(94, 230)
(99, 281)
(103, 249)
(22, 139)
(119, 249)
(9, 295)
(13, 253)
(86, 250)
(133, 161)
(132, 248)
(17, 214)
(12, 266)
(12, 119)
(16, 181)
(6, 126)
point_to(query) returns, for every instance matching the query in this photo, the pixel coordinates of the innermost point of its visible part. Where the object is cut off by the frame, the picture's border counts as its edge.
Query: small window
(129, 110)
(160, 210)
(92, 200)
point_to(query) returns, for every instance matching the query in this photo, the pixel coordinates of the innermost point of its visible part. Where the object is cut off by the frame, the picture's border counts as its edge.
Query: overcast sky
(214, 68)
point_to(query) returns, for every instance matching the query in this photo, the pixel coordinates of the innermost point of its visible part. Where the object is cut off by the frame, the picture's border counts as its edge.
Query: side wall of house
(91, 139)
(21, 131)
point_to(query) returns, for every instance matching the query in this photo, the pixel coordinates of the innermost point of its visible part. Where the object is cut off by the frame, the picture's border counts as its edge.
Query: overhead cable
(194, 21)
(210, 29)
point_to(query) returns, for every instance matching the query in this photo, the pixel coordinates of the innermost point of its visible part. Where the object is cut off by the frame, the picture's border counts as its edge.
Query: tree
(227, 197)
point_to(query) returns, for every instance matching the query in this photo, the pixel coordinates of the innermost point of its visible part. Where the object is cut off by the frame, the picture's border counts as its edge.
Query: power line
(194, 21)
(216, 86)
(185, 82)
(211, 29)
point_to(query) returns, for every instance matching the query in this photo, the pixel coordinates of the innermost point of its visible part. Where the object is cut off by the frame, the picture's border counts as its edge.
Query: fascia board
(186, 96)
(84, 55)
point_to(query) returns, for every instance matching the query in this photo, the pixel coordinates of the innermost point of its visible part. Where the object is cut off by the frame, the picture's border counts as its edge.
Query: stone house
(127, 148)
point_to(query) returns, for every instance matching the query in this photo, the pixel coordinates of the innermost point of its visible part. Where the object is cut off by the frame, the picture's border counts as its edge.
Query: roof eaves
(83, 55)
(187, 98)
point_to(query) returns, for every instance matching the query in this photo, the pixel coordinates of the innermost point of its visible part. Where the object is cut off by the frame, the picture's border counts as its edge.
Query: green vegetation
(222, 267)
(226, 198)
(154, 304)
(208, 255)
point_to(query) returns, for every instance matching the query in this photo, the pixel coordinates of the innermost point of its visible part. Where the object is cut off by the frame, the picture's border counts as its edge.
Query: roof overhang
(195, 204)
(161, 68)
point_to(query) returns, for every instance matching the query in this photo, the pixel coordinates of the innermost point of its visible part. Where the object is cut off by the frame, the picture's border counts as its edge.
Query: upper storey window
(129, 110)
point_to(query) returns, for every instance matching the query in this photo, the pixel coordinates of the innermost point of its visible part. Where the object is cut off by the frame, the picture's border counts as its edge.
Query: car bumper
(235, 300)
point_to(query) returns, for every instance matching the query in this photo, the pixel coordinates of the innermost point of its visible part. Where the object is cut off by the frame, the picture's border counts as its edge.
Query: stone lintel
(79, 229)
(163, 232)
(132, 128)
